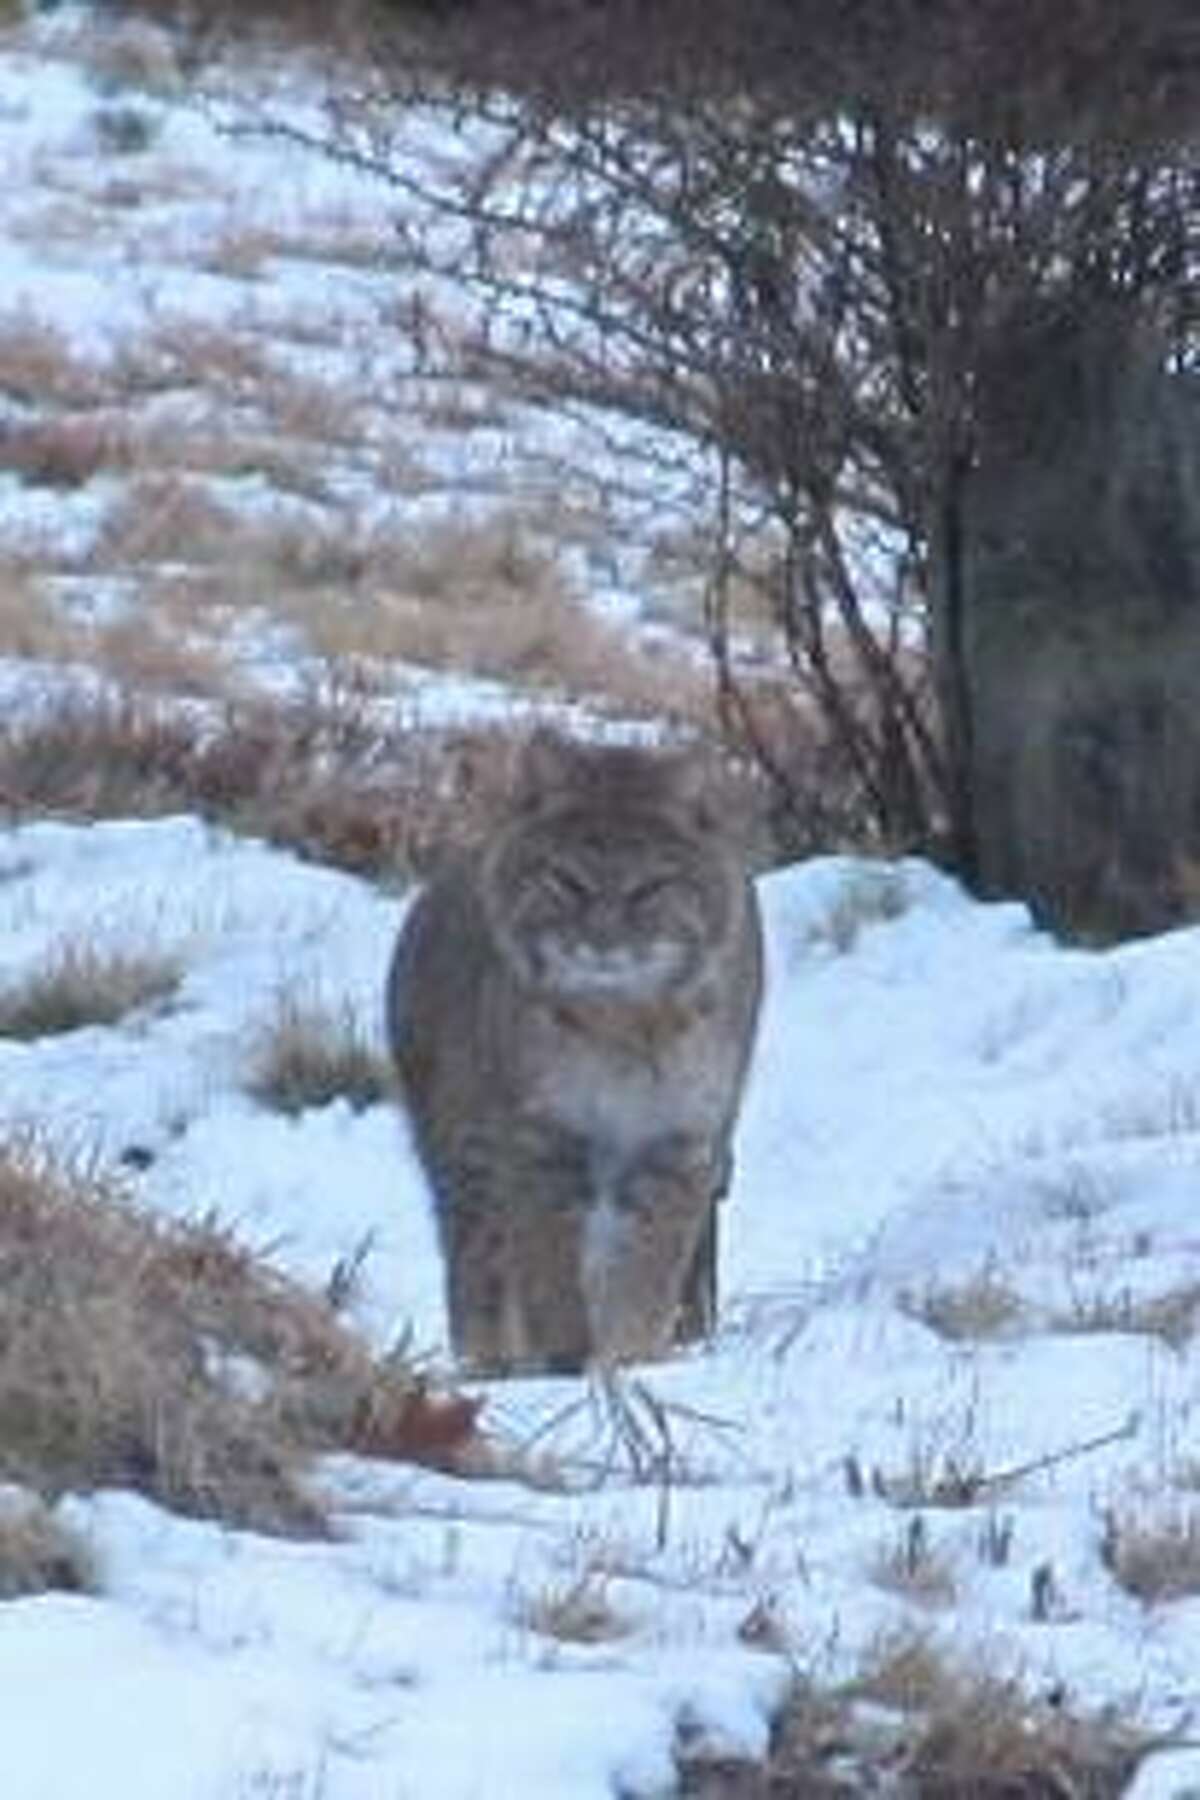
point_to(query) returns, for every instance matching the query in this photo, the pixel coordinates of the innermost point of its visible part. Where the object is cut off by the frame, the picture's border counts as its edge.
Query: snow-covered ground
(940, 1094)
(959, 1260)
(238, 314)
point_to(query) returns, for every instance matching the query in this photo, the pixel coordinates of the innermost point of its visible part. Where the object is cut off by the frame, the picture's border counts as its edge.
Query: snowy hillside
(959, 1286)
(951, 1418)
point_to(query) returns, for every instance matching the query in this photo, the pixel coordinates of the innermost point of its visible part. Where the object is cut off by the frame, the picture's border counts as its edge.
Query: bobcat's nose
(603, 936)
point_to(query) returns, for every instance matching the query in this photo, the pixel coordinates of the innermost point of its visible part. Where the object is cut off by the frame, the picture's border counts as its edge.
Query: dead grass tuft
(30, 625)
(146, 650)
(64, 452)
(82, 984)
(311, 1054)
(905, 1670)
(916, 1726)
(1173, 1315)
(37, 1552)
(870, 895)
(984, 1738)
(1154, 1557)
(165, 519)
(124, 53)
(39, 367)
(983, 1306)
(166, 1358)
(576, 1611)
(911, 1566)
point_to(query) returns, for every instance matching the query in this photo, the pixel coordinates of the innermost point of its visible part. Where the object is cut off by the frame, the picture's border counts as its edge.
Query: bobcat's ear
(545, 763)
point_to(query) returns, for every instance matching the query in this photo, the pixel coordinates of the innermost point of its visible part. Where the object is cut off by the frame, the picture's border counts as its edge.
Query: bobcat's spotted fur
(571, 1008)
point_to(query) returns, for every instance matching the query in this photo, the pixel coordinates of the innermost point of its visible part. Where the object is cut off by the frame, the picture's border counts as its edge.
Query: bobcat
(571, 1008)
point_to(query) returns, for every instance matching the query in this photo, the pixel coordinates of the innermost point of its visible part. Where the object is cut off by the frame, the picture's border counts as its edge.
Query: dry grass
(154, 645)
(917, 1727)
(1154, 1557)
(869, 896)
(126, 1351)
(147, 650)
(982, 1737)
(574, 1611)
(82, 984)
(37, 1552)
(189, 356)
(211, 442)
(65, 452)
(482, 595)
(477, 597)
(983, 1306)
(1172, 1315)
(909, 1565)
(131, 54)
(904, 1670)
(318, 780)
(31, 627)
(39, 367)
(1174, 1111)
(166, 519)
(311, 1054)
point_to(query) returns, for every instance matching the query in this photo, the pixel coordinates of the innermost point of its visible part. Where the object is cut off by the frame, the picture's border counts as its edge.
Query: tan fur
(571, 1008)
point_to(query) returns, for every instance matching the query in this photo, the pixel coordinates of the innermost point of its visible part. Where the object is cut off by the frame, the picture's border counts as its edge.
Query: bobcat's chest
(623, 1079)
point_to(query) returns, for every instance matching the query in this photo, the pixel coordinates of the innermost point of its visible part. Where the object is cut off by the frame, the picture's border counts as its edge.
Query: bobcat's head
(607, 883)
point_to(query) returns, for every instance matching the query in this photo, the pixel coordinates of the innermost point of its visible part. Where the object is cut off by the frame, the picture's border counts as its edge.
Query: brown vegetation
(914, 1726)
(81, 983)
(37, 1552)
(1154, 1556)
(317, 778)
(166, 1358)
(310, 1054)
(982, 1306)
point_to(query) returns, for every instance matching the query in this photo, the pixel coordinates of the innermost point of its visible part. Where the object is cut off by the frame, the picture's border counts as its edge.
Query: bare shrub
(166, 1358)
(311, 1054)
(84, 984)
(37, 1552)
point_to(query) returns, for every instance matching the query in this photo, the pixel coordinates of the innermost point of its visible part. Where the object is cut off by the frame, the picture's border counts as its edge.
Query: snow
(941, 1094)
(938, 1091)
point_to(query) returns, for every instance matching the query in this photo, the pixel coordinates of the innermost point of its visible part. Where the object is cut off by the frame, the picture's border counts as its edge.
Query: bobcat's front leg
(641, 1245)
(511, 1240)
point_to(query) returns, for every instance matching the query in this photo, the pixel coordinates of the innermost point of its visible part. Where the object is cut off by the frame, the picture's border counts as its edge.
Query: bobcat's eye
(645, 892)
(563, 884)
